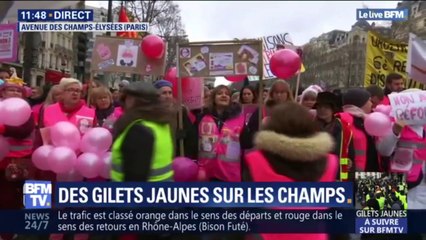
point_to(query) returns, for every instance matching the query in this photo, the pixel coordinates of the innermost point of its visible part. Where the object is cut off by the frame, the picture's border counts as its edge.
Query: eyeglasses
(73, 90)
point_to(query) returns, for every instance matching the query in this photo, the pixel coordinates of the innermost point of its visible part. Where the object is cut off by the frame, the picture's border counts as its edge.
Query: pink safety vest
(83, 119)
(359, 141)
(220, 152)
(411, 147)
(261, 171)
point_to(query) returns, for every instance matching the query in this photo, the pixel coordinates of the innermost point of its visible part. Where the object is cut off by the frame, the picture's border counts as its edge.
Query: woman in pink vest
(356, 105)
(17, 166)
(218, 136)
(291, 148)
(406, 145)
(106, 113)
(70, 108)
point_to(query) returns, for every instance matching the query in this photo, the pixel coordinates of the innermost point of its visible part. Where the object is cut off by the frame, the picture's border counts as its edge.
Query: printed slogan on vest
(384, 57)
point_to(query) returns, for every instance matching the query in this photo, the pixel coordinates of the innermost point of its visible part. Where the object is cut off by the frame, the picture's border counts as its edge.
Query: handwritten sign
(193, 92)
(8, 42)
(210, 59)
(123, 55)
(409, 107)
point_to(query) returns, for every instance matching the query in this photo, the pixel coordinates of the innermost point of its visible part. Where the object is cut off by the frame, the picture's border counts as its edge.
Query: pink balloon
(4, 147)
(62, 159)
(171, 75)
(70, 176)
(105, 168)
(40, 157)
(236, 78)
(377, 124)
(96, 140)
(385, 109)
(185, 170)
(153, 46)
(88, 165)
(285, 63)
(15, 112)
(65, 134)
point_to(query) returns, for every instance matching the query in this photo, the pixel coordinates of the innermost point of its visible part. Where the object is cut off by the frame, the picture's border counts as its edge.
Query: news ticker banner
(38, 194)
(209, 220)
(71, 20)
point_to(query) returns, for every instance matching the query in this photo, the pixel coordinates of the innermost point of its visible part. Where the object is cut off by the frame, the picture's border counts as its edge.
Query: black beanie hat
(357, 97)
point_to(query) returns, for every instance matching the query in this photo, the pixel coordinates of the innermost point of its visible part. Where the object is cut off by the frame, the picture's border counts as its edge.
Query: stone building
(44, 56)
(416, 21)
(337, 59)
(99, 15)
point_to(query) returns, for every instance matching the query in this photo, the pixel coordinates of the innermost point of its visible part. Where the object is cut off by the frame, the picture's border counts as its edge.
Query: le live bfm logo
(37, 194)
(382, 14)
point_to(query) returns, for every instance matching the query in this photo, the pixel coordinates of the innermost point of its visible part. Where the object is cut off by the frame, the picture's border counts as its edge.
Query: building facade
(416, 21)
(337, 59)
(46, 56)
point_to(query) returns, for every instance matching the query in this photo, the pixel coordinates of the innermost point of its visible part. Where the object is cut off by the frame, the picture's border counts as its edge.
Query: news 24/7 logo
(37, 194)
(382, 14)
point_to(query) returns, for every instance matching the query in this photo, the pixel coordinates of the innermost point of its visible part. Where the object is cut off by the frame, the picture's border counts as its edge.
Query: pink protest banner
(9, 42)
(409, 107)
(192, 92)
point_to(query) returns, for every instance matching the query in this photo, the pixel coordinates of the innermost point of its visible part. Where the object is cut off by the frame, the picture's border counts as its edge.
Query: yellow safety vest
(161, 166)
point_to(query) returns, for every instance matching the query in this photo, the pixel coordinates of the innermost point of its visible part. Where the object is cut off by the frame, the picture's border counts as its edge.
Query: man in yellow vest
(143, 147)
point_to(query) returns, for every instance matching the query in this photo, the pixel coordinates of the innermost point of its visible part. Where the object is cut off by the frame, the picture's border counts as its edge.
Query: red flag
(122, 17)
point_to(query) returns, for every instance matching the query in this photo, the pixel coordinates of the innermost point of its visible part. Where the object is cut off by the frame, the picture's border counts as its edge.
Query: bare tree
(164, 19)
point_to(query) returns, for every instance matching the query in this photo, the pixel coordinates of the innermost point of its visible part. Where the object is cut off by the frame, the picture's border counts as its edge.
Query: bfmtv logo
(37, 194)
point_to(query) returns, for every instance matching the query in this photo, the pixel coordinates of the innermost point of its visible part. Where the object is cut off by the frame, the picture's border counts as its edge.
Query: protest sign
(124, 55)
(211, 59)
(383, 57)
(9, 42)
(193, 92)
(271, 44)
(409, 107)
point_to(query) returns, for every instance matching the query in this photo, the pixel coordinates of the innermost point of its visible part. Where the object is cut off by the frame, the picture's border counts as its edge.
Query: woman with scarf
(356, 105)
(106, 113)
(217, 133)
(327, 106)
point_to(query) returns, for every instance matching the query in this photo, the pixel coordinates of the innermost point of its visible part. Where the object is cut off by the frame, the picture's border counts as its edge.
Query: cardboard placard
(270, 46)
(409, 107)
(124, 55)
(211, 59)
(193, 93)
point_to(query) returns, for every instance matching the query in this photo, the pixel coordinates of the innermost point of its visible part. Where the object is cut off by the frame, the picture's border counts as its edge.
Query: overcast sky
(225, 20)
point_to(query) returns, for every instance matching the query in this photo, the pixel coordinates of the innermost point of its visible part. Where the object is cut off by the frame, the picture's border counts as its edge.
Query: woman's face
(12, 92)
(248, 96)
(103, 101)
(324, 112)
(309, 100)
(222, 98)
(280, 93)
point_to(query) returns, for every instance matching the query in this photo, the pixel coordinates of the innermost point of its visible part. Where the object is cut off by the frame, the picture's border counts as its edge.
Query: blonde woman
(106, 113)
(279, 92)
(53, 97)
